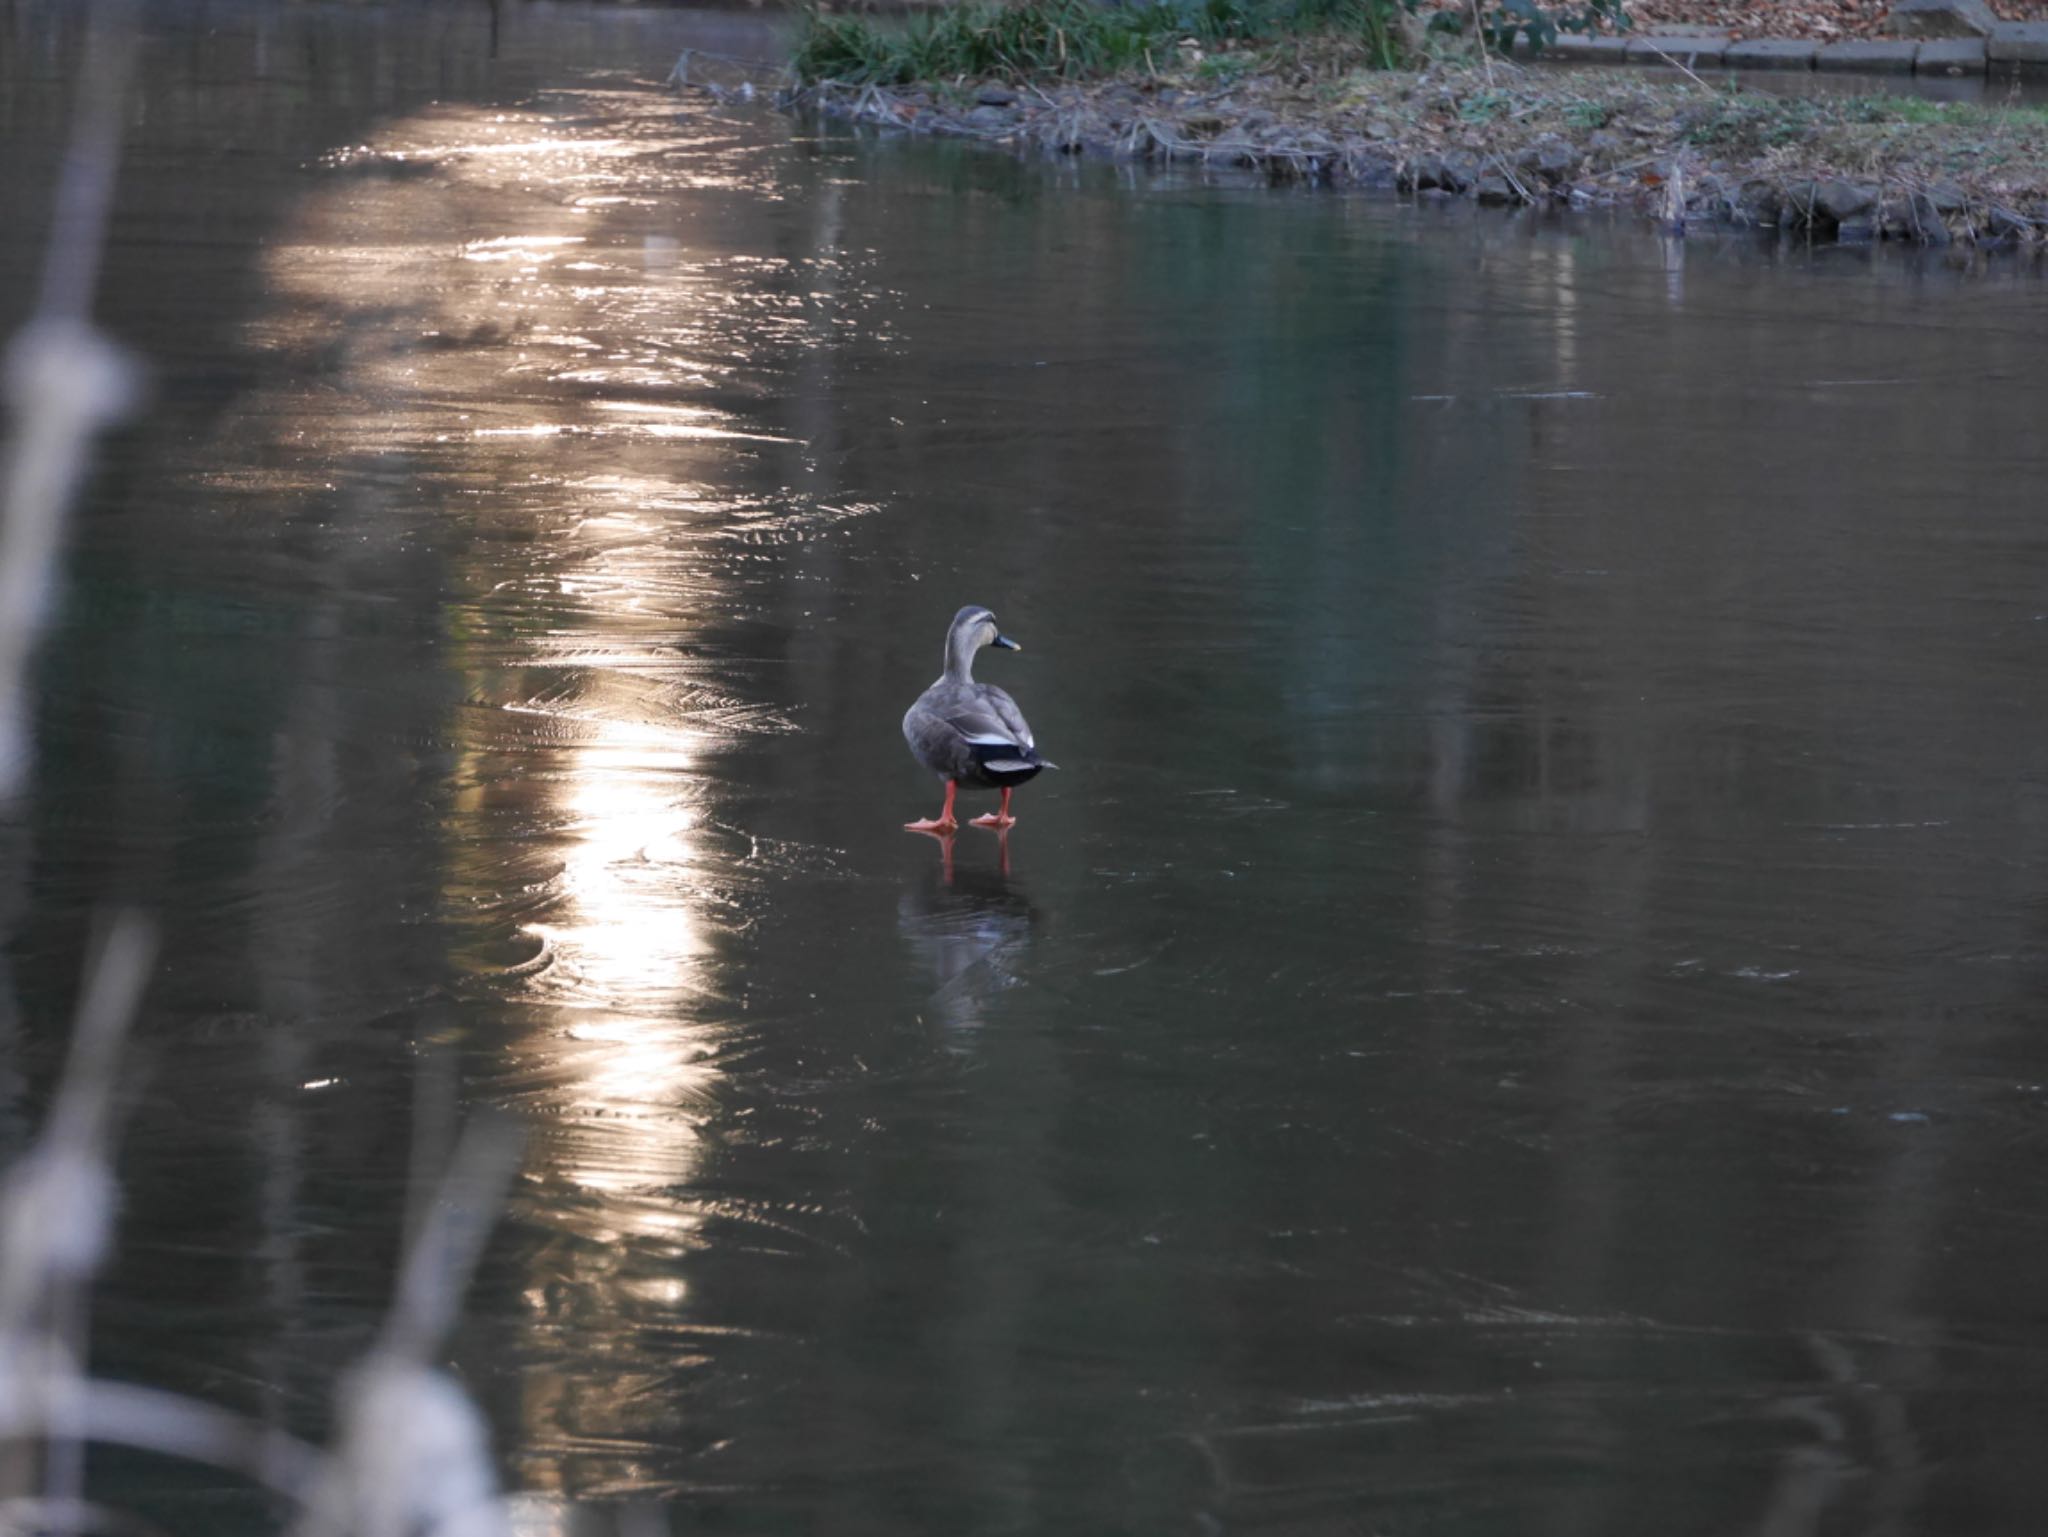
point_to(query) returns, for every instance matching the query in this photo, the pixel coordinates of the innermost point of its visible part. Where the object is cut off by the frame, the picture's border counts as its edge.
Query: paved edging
(2017, 47)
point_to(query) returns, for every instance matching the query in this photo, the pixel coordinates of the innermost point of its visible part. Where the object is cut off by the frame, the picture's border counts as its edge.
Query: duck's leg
(1002, 818)
(943, 823)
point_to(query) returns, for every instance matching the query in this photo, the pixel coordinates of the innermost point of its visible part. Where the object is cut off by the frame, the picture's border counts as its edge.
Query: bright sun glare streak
(629, 953)
(619, 1057)
(632, 931)
(536, 327)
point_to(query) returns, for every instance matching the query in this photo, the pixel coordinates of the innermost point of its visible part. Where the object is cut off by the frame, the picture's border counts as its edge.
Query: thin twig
(1485, 53)
(1682, 68)
(1513, 180)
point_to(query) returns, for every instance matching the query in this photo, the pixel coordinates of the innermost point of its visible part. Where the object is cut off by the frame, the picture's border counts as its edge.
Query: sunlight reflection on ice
(447, 305)
(532, 321)
(631, 928)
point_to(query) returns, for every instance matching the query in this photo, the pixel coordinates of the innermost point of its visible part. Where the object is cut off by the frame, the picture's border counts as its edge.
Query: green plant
(1541, 23)
(1484, 106)
(1377, 24)
(1071, 39)
(1224, 67)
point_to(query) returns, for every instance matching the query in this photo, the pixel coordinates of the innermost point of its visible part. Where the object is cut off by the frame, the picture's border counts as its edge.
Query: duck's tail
(1017, 765)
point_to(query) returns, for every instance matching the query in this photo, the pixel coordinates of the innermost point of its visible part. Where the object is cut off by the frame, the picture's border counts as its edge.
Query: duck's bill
(1006, 643)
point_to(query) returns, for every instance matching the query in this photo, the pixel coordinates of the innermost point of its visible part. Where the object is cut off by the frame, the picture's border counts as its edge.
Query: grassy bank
(1298, 97)
(1079, 39)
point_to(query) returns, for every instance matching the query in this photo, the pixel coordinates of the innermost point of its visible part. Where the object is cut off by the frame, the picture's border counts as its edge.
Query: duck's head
(972, 628)
(975, 627)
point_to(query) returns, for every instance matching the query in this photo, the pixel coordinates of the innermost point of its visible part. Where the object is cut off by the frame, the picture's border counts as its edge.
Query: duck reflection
(969, 924)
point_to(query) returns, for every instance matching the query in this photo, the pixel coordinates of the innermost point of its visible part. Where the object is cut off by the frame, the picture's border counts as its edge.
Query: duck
(971, 733)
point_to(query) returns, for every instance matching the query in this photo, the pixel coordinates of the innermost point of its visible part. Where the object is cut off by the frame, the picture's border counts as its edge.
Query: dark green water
(1520, 1013)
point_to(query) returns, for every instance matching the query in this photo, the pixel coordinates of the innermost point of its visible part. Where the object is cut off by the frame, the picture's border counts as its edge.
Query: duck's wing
(934, 740)
(989, 718)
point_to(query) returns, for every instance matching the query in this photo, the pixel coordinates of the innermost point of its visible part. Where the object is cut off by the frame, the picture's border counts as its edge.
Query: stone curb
(1695, 50)
(1870, 58)
(2022, 43)
(1771, 53)
(1951, 56)
(1579, 49)
(2017, 46)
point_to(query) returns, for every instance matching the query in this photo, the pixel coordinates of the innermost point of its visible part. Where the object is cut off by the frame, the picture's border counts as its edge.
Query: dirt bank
(1683, 151)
